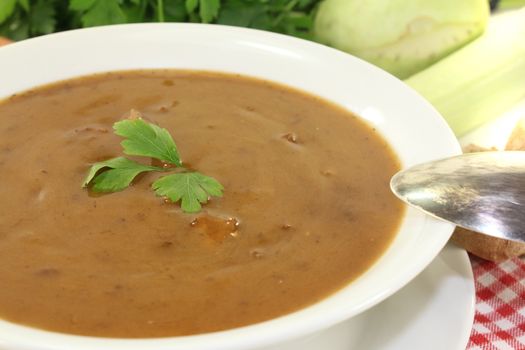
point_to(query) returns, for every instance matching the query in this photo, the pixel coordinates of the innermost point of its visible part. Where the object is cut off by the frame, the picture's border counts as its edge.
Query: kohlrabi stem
(481, 80)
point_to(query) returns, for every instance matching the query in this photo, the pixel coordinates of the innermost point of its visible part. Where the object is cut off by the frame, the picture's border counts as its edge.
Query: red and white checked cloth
(499, 323)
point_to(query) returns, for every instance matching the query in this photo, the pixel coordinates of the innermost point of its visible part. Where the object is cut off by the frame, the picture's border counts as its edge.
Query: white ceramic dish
(413, 128)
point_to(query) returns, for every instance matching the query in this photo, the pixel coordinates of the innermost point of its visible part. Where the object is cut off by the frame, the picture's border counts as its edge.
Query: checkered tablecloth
(499, 323)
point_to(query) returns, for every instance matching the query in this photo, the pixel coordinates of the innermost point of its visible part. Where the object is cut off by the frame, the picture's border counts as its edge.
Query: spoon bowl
(483, 192)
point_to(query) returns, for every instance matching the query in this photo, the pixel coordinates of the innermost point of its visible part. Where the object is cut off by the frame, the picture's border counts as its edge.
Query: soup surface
(306, 207)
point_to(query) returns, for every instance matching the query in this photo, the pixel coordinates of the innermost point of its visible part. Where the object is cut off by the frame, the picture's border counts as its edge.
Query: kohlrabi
(400, 36)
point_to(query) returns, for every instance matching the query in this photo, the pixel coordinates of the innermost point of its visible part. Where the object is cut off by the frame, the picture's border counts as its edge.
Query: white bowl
(414, 129)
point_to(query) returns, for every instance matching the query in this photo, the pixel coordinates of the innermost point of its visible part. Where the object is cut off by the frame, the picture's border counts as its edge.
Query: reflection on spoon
(483, 192)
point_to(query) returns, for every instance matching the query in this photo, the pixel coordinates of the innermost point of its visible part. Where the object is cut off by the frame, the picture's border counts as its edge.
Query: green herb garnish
(191, 189)
(20, 19)
(149, 140)
(120, 174)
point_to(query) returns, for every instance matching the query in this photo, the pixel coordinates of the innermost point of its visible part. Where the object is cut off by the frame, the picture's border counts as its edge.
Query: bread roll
(516, 140)
(487, 247)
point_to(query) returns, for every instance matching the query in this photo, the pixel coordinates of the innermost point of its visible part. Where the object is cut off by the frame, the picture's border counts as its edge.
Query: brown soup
(306, 208)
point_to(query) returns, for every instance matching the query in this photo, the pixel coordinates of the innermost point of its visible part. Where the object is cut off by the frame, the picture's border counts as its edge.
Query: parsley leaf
(7, 7)
(81, 5)
(235, 14)
(18, 19)
(191, 189)
(122, 172)
(175, 11)
(42, 18)
(99, 12)
(209, 9)
(191, 5)
(146, 139)
(24, 4)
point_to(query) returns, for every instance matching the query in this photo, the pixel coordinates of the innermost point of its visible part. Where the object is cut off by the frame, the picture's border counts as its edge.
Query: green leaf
(191, 189)
(15, 27)
(191, 5)
(306, 3)
(81, 5)
(146, 139)
(175, 11)
(103, 12)
(122, 172)
(6, 9)
(208, 10)
(42, 18)
(24, 4)
(236, 14)
(160, 11)
(133, 13)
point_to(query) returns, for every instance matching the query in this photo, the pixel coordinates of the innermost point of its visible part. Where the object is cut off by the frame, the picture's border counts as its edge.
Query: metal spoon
(483, 192)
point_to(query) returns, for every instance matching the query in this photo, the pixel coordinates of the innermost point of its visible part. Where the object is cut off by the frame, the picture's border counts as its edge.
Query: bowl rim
(305, 321)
